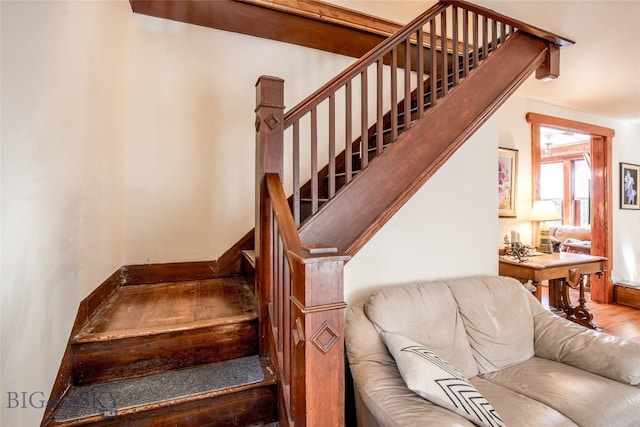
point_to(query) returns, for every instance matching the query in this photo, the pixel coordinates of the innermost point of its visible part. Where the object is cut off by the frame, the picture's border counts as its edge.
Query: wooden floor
(170, 306)
(614, 319)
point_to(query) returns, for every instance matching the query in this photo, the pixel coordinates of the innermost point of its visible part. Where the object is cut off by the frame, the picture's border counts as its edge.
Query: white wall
(515, 132)
(190, 164)
(447, 229)
(65, 69)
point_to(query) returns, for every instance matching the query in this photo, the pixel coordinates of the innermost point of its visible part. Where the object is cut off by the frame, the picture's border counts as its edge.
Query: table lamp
(544, 210)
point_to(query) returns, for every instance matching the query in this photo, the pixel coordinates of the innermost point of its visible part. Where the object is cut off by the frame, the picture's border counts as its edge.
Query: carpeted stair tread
(108, 399)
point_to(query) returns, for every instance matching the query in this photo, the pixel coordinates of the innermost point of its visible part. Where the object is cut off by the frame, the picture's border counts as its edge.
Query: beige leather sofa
(532, 367)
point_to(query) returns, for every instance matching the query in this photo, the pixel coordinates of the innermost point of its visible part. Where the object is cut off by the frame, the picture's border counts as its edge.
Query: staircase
(165, 354)
(260, 342)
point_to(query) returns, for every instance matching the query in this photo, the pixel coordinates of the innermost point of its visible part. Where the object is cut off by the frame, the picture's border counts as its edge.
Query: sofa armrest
(561, 340)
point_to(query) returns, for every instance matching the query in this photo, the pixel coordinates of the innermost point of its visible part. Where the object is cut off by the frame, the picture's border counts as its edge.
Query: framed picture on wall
(629, 174)
(507, 181)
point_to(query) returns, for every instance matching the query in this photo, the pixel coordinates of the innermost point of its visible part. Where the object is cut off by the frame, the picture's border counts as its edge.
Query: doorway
(600, 191)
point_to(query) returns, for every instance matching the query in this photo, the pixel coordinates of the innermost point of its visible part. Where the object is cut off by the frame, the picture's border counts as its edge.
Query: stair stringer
(419, 152)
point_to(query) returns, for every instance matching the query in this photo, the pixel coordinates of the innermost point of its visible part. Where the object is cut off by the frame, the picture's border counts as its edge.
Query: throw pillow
(434, 379)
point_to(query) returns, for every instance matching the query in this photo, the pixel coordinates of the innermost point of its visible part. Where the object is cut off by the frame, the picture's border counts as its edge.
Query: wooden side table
(562, 270)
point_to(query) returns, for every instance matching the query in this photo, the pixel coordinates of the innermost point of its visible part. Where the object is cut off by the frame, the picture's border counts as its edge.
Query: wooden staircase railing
(299, 290)
(418, 65)
(299, 286)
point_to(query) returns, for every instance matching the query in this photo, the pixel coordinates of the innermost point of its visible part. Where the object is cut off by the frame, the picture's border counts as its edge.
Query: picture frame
(507, 182)
(629, 176)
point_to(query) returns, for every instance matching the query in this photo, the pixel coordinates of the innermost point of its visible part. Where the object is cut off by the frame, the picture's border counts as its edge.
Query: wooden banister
(299, 290)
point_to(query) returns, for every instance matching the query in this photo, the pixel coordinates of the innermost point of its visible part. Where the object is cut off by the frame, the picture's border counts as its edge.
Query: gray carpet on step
(108, 398)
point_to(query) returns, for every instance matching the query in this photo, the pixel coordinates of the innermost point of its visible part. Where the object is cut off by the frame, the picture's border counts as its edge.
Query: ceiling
(600, 74)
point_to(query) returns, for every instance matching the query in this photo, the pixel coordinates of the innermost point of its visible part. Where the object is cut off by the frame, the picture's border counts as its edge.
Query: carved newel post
(269, 158)
(317, 316)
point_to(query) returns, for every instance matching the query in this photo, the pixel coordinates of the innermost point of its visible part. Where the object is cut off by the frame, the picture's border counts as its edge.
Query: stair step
(146, 329)
(247, 384)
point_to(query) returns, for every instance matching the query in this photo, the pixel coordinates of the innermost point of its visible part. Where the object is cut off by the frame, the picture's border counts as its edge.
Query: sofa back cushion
(565, 232)
(497, 319)
(428, 314)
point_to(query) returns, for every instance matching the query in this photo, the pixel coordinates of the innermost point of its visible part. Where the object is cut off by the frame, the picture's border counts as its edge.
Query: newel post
(269, 158)
(317, 318)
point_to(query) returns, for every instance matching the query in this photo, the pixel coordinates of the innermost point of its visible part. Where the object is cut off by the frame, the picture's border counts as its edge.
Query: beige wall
(446, 230)
(190, 161)
(65, 70)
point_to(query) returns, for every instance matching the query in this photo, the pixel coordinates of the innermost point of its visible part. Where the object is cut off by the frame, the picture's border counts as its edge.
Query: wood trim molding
(87, 308)
(601, 189)
(332, 13)
(336, 35)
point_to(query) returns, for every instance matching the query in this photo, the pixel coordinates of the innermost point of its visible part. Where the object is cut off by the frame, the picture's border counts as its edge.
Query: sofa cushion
(431, 377)
(428, 314)
(517, 409)
(497, 320)
(588, 399)
(565, 232)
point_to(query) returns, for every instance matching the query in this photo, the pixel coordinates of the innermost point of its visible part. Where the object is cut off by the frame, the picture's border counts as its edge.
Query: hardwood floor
(614, 319)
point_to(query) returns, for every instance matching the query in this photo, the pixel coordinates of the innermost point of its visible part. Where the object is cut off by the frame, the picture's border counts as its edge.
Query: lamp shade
(544, 210)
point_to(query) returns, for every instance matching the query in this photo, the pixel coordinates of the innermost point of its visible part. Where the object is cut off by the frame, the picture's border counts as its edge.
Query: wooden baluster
(379, 105)
(314, 160)
(364, 124)
(454, 50)
(280, 296)
(269, 158)
(465, 41)
(445, 60)
(494, 34)
(407, 84)
(318, 338)
(434, 62)
(332, 146)
(348, 133)
(296, 172)
(420, 72)
(476, 50)
(286, 326)
(485, 37)
(394, 94)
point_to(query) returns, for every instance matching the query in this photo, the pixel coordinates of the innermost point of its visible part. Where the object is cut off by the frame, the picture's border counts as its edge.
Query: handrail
(280, 206)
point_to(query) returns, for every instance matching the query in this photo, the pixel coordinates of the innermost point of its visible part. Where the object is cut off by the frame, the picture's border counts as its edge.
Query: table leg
(554, 293)
(580, 314)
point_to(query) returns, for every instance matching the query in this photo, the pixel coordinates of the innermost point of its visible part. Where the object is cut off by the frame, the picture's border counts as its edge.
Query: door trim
(601, 190)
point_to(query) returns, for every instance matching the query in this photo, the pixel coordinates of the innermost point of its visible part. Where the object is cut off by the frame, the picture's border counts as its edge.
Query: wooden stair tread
(143, 310)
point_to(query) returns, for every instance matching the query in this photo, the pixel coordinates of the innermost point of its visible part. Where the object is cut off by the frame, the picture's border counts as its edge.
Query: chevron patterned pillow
(434, 379)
